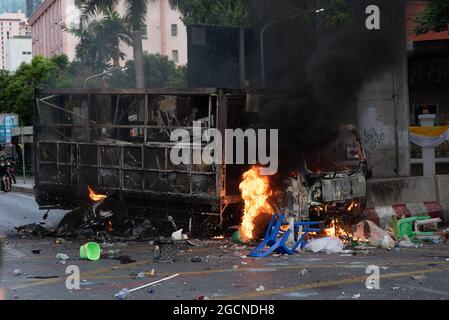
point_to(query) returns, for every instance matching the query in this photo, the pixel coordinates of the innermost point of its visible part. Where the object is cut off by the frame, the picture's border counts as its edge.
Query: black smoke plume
(320, 62)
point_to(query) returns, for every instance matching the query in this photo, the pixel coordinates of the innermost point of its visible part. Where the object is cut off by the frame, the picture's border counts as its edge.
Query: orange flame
(255, 191)
(335, 230)
(95, 197)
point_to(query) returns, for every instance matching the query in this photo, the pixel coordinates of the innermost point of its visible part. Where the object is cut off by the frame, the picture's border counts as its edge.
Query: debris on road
(125, 259)
(240, 255)
(90, 251)
(356, 296)
(260, 289)
(123, 294)
(62, 256)
(328, 245)
(18, 272)
(36, 251)
(419, 277)
(368, 231)
(32, 229)
(406, 243)
(303, 272)
(196, 259)
(165, 251)
(43, 277)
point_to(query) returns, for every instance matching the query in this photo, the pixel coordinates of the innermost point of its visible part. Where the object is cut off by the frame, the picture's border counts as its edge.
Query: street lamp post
(262, 37)
(102, 74)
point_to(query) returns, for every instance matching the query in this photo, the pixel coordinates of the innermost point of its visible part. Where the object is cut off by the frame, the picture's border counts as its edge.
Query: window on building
(145, 33)
(175, 55)
(174, 30)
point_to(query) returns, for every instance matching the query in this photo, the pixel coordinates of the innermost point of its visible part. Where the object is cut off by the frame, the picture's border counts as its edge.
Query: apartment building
(11, 25)
(165, 33)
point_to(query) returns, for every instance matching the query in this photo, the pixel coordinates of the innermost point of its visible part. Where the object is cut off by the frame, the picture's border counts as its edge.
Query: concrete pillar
(428, 154)
(382, 103)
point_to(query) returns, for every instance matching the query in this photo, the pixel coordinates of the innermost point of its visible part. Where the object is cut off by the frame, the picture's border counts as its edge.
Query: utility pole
(23, 155)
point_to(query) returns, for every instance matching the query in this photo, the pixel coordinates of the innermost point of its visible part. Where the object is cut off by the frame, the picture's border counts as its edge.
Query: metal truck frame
(115, 140)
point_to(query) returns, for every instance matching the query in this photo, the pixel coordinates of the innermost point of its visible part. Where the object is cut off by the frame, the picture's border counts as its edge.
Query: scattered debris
(113, 254)
(90, 251)
(178, 236)
(17, 272)
(203, 298)
(172, 222)
(165, 251)
(125, 259)
(303, 272)
(419, 277)
(329, 245)
(152, 273)
(62, 256)
(406, 243)
(260, 289)
(36, 251)
(123, 294)
(356, 296)
(43, 277)
(374, 235)
(240, 255)
(196, 259)
(140, 275)
(33, 229)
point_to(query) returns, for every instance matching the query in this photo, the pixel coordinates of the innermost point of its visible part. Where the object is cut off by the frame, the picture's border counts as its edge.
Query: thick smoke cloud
(320, 69)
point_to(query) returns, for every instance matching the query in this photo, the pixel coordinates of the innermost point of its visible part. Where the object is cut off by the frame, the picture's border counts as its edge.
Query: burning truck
(329, 186)
(104, 154)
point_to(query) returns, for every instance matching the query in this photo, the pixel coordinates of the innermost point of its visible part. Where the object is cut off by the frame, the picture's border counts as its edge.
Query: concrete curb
(22, 189)
(382, 216)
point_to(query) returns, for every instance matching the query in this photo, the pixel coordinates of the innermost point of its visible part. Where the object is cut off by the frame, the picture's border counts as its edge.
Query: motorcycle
(6, 188)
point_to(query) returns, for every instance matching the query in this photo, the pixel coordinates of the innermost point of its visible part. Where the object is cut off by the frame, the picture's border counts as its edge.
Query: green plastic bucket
(90, 251)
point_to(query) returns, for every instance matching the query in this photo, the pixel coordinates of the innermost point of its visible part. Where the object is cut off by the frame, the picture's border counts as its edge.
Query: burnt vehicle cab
(331, 181)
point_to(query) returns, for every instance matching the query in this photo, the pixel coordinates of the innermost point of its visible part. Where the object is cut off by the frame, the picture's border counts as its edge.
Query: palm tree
(100, 40)
(135, 13)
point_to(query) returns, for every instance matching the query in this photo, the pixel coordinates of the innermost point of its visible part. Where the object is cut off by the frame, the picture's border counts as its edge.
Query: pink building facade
(11, 25)
(46, 25)
(165, 33)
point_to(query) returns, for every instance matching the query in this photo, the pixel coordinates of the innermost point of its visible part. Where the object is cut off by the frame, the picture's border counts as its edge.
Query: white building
(18, 50)
(11, 25)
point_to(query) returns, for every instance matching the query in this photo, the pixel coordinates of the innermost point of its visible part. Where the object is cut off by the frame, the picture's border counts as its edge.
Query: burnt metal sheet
(345, 188)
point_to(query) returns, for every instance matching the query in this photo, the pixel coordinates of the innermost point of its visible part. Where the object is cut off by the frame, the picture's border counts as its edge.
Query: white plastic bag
(329, 245)
(369, 231)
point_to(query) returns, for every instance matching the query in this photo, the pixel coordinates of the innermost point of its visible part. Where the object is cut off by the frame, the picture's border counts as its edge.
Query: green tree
(136, 11)
(164, 73)
(17, 93)
(434, 17)
(229, 13)
(100, 41)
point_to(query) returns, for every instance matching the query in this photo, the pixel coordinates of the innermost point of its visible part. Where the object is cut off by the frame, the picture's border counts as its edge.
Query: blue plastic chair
(276, 237)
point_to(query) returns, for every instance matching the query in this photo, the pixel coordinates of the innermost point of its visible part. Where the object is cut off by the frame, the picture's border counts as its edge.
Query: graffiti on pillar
(373, 137)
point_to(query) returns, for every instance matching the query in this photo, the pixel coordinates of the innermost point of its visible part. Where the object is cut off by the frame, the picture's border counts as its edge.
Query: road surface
(421, 273)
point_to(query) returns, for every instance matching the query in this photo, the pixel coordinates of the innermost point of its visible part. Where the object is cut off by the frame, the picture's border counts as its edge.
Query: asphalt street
(221, 273)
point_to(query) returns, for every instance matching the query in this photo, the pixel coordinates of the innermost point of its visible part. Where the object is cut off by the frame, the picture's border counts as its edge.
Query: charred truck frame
(119, 140)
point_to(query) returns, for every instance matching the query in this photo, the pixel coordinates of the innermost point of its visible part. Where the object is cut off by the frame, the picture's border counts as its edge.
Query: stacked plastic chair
(276, 236)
